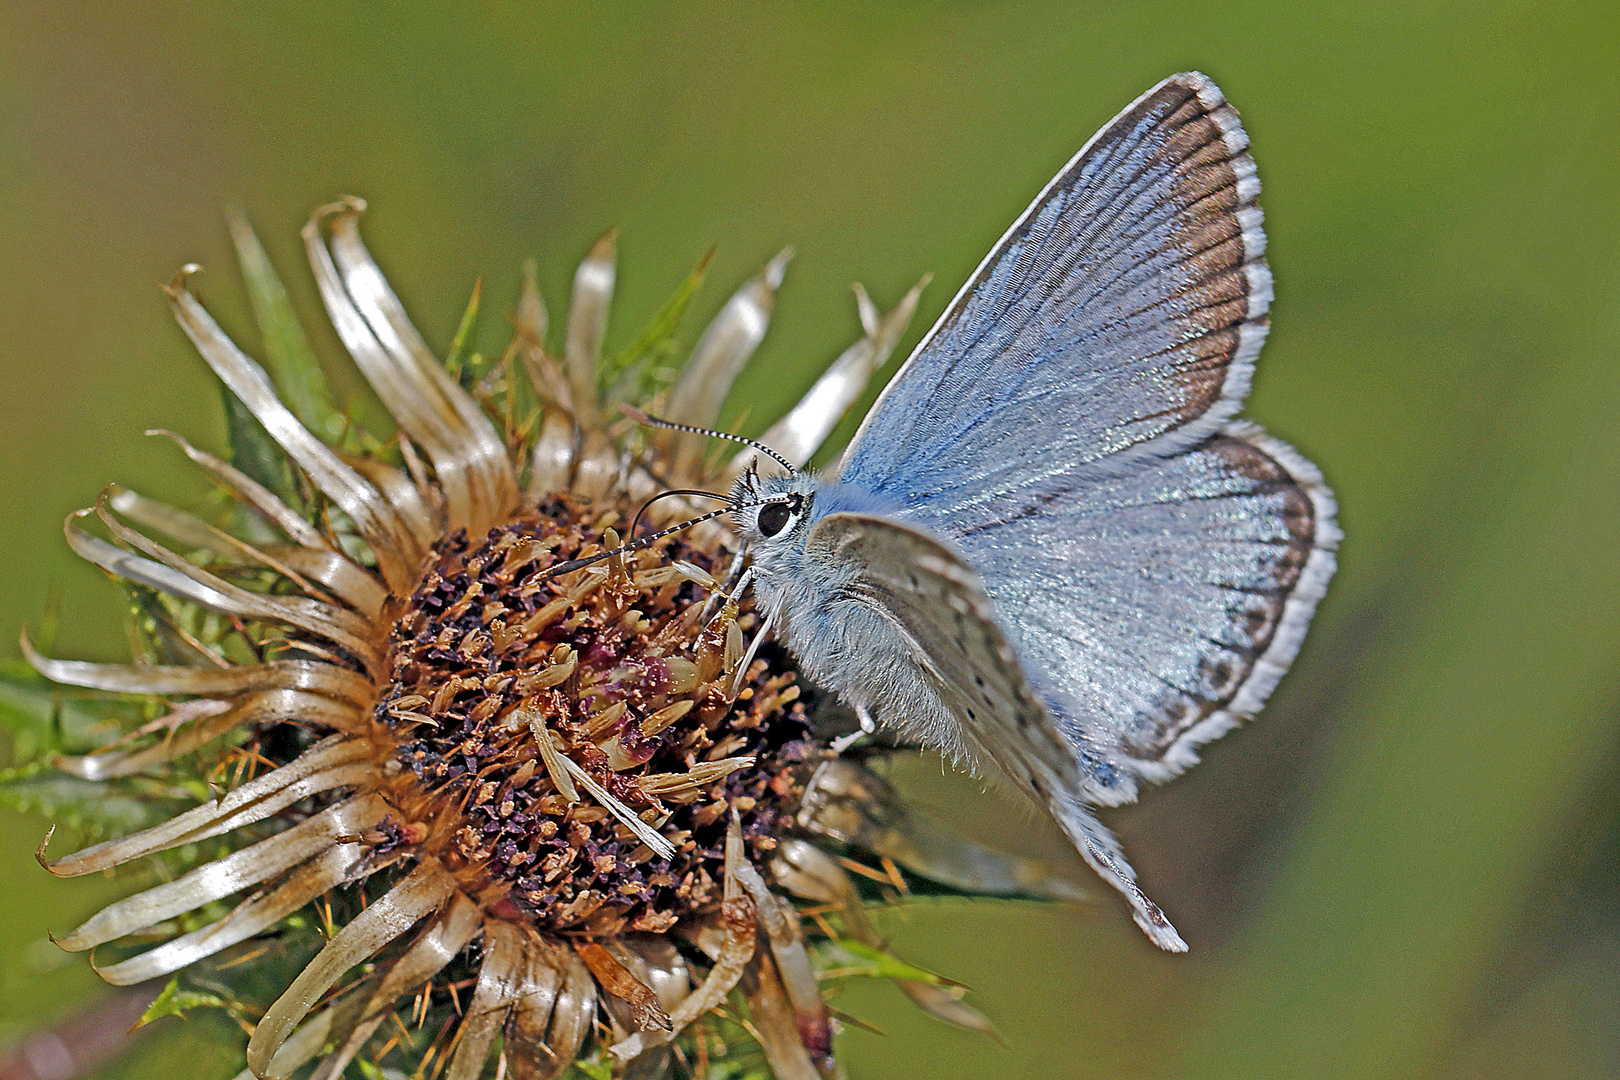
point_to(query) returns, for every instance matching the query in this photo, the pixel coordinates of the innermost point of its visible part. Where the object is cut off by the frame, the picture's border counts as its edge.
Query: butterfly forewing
(1126, 306)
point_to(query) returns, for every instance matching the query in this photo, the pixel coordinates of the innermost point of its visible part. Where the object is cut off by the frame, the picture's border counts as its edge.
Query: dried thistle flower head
(553, 818)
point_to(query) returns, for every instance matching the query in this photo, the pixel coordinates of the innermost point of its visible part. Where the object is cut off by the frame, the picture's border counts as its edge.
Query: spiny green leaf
(92, 808)
(858, 959)
(289, 359)
(469, 319)
(175, 1000)
(45, 719)
(630, 374)
(254, 452)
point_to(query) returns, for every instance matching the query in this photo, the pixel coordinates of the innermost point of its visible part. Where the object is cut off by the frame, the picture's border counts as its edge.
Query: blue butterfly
(1050, 551)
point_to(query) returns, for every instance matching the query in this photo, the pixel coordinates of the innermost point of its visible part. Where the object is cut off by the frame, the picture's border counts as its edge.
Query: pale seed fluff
(548, 819)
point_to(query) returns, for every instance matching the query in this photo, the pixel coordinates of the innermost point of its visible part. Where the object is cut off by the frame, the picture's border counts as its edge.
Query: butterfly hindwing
(1155, 608)
(940, 617)
(941, 670)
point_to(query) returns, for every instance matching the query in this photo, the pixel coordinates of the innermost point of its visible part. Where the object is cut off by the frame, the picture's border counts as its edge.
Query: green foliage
(848, 957)
(464, 332)
(598, 1067)
(639, 371)
(43, 718)
(44, 722)
(90, 808)
(163, 630)
(253, 450)
(176, 999)
(289, 359)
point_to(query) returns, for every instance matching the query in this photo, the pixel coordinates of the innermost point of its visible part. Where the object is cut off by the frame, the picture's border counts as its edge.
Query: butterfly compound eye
(773, 518)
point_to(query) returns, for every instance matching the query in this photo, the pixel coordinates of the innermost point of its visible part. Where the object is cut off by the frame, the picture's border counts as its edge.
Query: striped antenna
(653, 421)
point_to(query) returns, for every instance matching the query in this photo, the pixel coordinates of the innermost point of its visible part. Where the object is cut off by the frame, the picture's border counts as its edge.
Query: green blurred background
(1407, 867)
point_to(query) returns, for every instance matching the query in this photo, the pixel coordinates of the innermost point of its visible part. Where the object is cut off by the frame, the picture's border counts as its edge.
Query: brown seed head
(513, 696)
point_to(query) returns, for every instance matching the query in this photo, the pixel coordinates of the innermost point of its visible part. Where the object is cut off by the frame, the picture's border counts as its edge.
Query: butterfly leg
(1102, 851)
(731, 586)
(760, 636)
(868, 726)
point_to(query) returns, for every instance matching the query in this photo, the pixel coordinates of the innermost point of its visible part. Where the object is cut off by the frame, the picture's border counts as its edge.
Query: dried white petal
(445, 935)
(476, 446)
(251, 917)
(774, 1019)
(175, 576)
(505, 965)
(529, 1022)
(552, 466)
(808, 1013)
(799, 434)
(421, 891)
(300, 1046)
(379, 524)
(252, 494)
(334, 762)
(737, 920)
(216, 880)
(311, 675)
(719, 355)
(587, 323)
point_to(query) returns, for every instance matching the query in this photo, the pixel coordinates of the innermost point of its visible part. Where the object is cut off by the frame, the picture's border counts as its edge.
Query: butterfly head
(773, 512)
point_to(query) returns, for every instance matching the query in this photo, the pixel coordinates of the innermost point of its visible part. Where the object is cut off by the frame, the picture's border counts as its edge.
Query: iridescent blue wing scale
(1119, 317)
(1154, 608)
